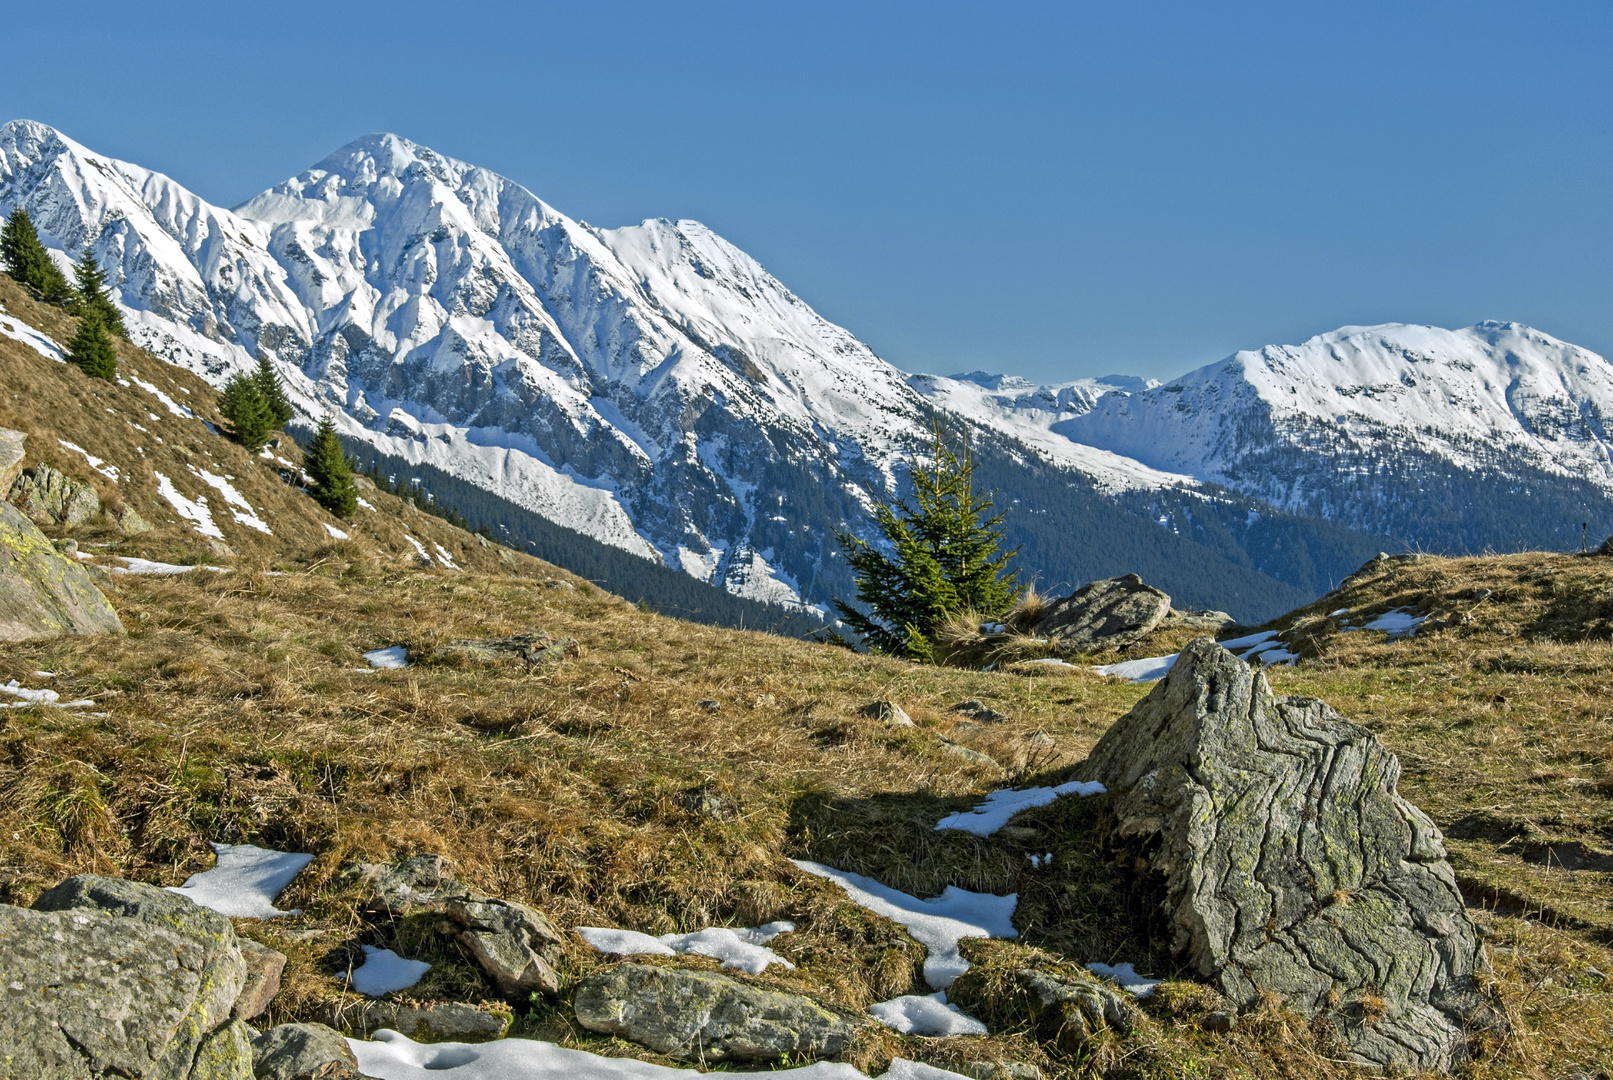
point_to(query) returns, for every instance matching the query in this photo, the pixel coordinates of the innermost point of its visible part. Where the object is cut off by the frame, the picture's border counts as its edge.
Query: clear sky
(1056, 190)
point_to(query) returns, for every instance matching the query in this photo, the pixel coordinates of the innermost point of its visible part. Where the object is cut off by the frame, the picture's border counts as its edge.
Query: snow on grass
(240, 509)
(1051, 661)
(1396, 623)
(1234, 644)
(17, 330)
(1274, 654)
(384, 971)
(420, 548)
(938, 923)
(196, 512)
(43, 696)
(1039, 861)
(108, 471)
(1340, 611)
(173, 406)
(1004, 803)
(742, 948)
(1126, 975)
(244, 881)
(1148, 669)
(393, 656)
(366, 505)
(443, 556)
(336, 534)
(926, 1014)
(393, 1056)
(133, 565)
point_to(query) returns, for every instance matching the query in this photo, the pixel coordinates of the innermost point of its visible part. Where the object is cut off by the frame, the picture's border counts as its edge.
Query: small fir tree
(27, 260)
(247, 414)
(332, 477)
(946, 556)
(273, 393)
(89, 287)
(92, 350)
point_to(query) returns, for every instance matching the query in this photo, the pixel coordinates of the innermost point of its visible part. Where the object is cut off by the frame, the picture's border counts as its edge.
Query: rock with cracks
(1071, 1009)
(43, 594)
(303, 1052)
(1107, 614)
(113, 978)
(703, 1016)
(514, 944)
(428, 1021)
(1291, 864)
(51, 497)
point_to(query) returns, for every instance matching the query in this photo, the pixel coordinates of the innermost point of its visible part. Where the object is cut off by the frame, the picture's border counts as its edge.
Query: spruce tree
(27, 260)
(273, 393)
(332, 477)
(246, 412)
(92, 350)
(89, 285)
(946, 556)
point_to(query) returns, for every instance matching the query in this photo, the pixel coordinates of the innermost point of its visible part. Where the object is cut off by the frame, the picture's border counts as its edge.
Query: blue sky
(1056, 190)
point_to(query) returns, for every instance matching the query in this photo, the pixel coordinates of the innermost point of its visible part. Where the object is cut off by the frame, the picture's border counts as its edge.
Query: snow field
(244, 881)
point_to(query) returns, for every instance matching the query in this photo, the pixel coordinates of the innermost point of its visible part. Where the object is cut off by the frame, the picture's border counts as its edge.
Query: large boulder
(113, 978)
(1291, 864)
(1107, 614)
(43, 594)
(703, 1016)
(51, 497)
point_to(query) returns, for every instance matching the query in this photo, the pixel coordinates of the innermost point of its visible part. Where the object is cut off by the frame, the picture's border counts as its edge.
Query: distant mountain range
(654, 388)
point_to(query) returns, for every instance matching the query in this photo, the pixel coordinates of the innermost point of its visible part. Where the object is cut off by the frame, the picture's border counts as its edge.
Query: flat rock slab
(432, 1021)
(43, 594)
(1107, 614)
(1292, 865)
(700, 1015)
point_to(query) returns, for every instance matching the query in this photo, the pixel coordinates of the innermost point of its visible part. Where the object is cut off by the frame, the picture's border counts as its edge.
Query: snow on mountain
(1497, 398)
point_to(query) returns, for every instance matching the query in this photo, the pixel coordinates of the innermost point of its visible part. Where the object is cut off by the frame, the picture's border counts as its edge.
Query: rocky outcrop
(703, 1016)
(1071, 1009)
(303, 1052)
(1291, 865)
(11, 451)
(43, 594)
(51, 497)
(113, 978)
(1107, 614)
(513, 944)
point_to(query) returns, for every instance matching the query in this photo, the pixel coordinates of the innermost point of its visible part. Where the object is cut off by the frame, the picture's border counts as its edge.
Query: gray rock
(418, 883)
(11, 451)
(43, 594)
(51, 497)
(1292, 865)
(967, 754)
(1001, 1070)
(130, 522)
(263, 969)
(513, 943)
(981, 713)
(1207, 620)
(888, 712)
(535, 647)
(703, 1016)
(437, 1021)
(1072, 1008)
(90, 993)
(1219, 1022)
(302, 1052)
(1107, 614)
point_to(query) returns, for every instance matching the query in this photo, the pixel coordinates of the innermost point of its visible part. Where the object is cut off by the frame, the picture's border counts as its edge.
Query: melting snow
(366, 506)
(938, 923)
(173, 406)
(1148, 669)
(926, 1014)
(334, 531)
(393, 1056)
(42, 696)
(191, 511)
(1126, 975)
(244, 881)
(741, 948)
(393, 656)
(146, 566)
(17, 330)
(384, 971)
(239, 507)
(1396, 623)
(1004, 803)
(444, 557)
(419, 548)
(108, 471)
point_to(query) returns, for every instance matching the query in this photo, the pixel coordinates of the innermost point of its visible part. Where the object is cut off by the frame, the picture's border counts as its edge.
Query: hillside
(661, 778)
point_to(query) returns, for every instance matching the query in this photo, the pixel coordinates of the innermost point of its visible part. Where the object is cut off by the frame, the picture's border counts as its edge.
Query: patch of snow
(419, 547)
(1234, 644)
(393, 1056)
(1126, 975)
(938, 923)
(1004, 803)
(173, 406)
(366, 505)
(44, 696)
(44, 674)
(1148, 669)
(108, 471)
(384, 971)
(133, 565)
(925, 1014)
(244, 881)
(1273, 654)
(17, 330)
(1340, 611)
(741, 948)
(196, 512)
(443, 557)
(335, 533)
(1053, 661)
(1396, 623)
(393, 656)
(240, 509)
